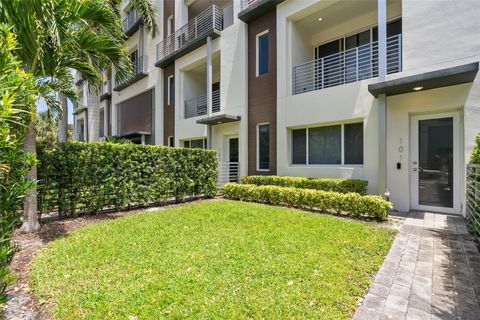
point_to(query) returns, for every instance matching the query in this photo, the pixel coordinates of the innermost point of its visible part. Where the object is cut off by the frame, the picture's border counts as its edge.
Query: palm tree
(147, 12)
(56, 36)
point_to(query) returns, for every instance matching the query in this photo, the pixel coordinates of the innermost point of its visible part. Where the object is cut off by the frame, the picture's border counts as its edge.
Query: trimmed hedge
(91, 177)
(350, 204)
(336, 185)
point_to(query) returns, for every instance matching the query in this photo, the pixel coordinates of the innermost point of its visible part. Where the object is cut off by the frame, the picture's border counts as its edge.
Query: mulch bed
(21, 303)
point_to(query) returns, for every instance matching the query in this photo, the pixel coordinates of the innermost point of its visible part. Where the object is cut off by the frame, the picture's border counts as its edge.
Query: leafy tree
(56, 36)
(17, 96)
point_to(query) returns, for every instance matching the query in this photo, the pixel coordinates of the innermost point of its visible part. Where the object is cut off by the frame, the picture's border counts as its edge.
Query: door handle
(420, 169)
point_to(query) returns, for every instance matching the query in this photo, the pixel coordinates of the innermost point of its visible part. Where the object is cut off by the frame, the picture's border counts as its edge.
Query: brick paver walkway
(431, 272)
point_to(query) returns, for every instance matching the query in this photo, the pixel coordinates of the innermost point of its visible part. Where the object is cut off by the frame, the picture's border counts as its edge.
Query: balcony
(198, 106)
(139, 71)
(348, 66)
(106, 90)
(131, 23)
(191, 36)
(252, 9)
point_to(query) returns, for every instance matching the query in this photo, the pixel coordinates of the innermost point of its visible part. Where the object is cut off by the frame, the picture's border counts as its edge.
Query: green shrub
(336, 185)
(17, 97)
(91, 177)
(475, 157)
(350, 204)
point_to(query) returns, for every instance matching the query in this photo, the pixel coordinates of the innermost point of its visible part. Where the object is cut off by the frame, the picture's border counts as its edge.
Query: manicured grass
(217, 259)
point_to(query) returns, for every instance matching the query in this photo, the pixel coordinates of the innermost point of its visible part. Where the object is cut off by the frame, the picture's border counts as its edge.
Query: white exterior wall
(435, 35)
(232, 48)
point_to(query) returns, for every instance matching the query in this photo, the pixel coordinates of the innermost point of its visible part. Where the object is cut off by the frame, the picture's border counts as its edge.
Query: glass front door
(435, 163)
(435, 169)
(233, 159)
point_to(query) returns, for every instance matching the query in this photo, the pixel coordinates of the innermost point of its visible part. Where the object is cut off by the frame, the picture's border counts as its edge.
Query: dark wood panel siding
(168, 110)
(262, 92)
(136, 114)
(168, 10)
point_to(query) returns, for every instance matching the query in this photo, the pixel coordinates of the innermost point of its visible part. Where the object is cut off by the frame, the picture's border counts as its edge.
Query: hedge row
(91, 177)
(350, 204)
(336, 185)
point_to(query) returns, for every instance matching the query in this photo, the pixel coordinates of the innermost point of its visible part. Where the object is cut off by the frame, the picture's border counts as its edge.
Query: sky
(42, 106)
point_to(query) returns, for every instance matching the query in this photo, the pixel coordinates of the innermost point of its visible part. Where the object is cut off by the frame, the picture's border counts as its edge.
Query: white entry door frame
(415, 168)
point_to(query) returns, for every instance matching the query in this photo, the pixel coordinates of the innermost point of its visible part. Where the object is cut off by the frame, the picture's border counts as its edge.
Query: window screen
(299, 146)
(353, 137)
(263, 146)
(324, 145)
(263, 54)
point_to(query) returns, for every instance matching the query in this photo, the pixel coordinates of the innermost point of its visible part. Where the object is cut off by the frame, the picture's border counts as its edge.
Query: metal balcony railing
(244, 4)
(228, 172)
(199, 27)
(139, 68)
(347, 66)
(130, 20)
(198, 106)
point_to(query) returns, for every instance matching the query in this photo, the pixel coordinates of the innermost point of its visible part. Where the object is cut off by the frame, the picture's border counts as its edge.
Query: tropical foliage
(91, 177)
(475, 157)
(56, 36)
(17, 94)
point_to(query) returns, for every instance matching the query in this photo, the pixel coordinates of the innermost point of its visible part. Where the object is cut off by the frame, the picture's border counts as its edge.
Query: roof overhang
(429, 80)
(257, 9)
(219, 119)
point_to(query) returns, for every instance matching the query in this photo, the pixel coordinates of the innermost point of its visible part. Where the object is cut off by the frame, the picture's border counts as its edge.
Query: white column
(209, 90)
(382, 40)
(382, 143)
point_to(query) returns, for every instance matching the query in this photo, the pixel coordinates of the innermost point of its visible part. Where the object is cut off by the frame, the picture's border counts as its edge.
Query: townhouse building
(382, 90)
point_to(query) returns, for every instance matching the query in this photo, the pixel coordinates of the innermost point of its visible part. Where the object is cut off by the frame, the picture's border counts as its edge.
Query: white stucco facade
(435, 35)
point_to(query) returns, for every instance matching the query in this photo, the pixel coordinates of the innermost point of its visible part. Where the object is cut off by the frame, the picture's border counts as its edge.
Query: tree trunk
(63, 121)
(30, 216)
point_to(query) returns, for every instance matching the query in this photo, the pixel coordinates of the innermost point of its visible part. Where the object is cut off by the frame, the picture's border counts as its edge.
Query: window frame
(257, 52)
(189, 141)
(257, 157)
(342, 148)
(342, 38)
(170, 100)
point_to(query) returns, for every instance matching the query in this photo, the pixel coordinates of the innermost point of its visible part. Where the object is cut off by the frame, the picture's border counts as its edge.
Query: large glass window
(262, 53)
(171, 90)
(323, 145)
(353, 137)
(195, 143)
(263, 146)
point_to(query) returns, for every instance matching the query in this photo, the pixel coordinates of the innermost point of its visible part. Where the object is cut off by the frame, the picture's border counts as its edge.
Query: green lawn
(216, 259)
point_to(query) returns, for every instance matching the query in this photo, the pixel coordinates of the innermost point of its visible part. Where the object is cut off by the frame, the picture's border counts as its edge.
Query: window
(169, 25)
(195, 143)
(171, 143)
(101, 123)
(263, 147)
(262, 53)
(134, 59)
(353, 137)
(336, 144)
(170, 91)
